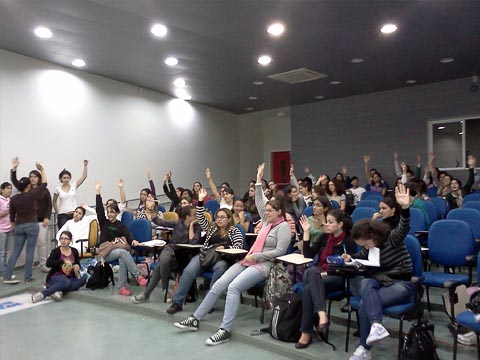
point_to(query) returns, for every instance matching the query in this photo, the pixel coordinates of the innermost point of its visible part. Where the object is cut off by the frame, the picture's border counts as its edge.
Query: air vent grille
(297, 76)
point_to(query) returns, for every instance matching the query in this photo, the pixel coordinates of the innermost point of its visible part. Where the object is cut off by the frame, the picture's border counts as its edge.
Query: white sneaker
(11, 281)
(468, 338)
(361, 354)
(377, 332)
(37, 297)
(218, 338)
(57, 296)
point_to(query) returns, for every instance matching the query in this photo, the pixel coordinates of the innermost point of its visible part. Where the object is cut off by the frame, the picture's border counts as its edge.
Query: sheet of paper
(373, 258)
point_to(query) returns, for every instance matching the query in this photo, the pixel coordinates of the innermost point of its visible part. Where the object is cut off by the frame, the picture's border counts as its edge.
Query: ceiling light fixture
(319, 97)
(441, 127)
(276, 29)
(264, 60)
(78, 63)
(357, 60)
(460, 133)
(249, 108)
(447, 60)
(179, 82)
(43, 32)
(253, 97)
(388, 28)
(335, 82)
(159, 30)
(257, 83)
(182, 94)
(171, 61)
(411, 81)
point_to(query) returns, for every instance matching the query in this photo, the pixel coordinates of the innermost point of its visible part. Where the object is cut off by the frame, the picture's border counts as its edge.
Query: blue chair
(362, 213)
(449, 244)
(432, 192)
(431, 211)
(368, 203)
(161, 208)
(417, 221)
(441, 205)
(335, 205)
(308, 211)
(472, 205)
(472, 218)
(471, 197)
(212, 207)
(409, 311)
(127, 218)
(141, 231)
(372, 195)
(466, 319)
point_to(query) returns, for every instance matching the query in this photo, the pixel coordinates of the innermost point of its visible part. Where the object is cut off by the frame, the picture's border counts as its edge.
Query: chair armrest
(417, 280)
(471, 260)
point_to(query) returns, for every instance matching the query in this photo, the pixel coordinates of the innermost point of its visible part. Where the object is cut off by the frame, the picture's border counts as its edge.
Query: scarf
(328, 249)
(259, 243)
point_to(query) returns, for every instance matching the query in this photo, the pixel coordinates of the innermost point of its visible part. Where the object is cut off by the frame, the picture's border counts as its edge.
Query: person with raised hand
(225, 199)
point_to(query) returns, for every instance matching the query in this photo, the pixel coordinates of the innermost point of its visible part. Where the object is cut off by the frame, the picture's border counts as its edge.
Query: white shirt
(67, 201)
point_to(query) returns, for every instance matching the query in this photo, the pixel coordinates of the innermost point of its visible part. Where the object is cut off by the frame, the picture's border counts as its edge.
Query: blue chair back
(362, 213)
(371, 195)
(242, 230)
(472, 205)
(470, 216)
(431, 211)
(371, 203)
(441, 205)
(432, 192)
(449, 242)
(161, 208)
(141, 230)
(335, 204)
(413, 247)
(127, 218)
(212, 206)
(471, 197)
(308, 211)
(417, 221)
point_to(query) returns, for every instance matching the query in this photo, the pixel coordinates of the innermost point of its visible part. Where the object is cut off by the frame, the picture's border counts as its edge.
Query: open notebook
(373, 258)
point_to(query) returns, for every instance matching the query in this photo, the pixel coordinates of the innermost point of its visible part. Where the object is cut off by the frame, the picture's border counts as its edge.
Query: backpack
(279, 282)
(286, 318)
(101, 275)
(474, 304)
(419, 343)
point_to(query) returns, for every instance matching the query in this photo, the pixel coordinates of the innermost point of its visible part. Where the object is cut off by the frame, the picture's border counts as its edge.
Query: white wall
(60, 116)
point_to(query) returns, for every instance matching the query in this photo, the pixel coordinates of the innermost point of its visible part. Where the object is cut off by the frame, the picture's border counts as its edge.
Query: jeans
(315, 289)
(126, 264)
(5, 238)
(375, 298)
(42, 244)
(191, 272)
(236, 280)
(23, 233)
(64, 284)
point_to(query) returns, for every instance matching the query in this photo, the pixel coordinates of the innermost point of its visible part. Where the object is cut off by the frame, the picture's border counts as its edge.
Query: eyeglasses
(270, 210)
(221, 217)
(64, 238)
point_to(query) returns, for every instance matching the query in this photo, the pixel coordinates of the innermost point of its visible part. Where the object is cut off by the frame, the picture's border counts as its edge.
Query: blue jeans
(375, 298)
(236, 280)
(191, 272)
(126, 263)
(4, 243)
(64, 284)
(23, 233)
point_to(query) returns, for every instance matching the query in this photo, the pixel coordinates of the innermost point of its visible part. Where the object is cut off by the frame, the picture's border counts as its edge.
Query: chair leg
(478, 346)
(347, 337)
(428, 299)
(455, 340)
(400, 336)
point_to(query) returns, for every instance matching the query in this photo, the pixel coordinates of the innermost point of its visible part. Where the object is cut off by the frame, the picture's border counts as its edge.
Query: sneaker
(138, 299)
(219, 337)
(361, 354)
(141, 281)
(468, 338)
(174, 308)
(37, 297)
(124, 291)
(189, 323)
(44, 269)
(377, 332)
(11, 281)
(57, 296)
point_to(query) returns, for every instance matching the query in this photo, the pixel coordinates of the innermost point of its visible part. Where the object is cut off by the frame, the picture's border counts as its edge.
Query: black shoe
(299, 345)
(191, 299)
(174, 308)
(356, 333)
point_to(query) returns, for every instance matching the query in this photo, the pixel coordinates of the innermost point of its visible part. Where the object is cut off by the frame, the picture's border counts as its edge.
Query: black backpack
(101, 275)
(474, 304)
(286, 318)
(420, 343)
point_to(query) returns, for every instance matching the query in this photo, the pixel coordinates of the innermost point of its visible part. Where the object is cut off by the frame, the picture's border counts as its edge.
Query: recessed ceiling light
(460, 133)
(388, 28)
(182, 94)
(335, 82)
(179, 82)
(411, 81)
(276, 29)
(78, 63)
(447, 60)
(357, 60)
(159, 30)
(257, 83)
(280, 113)
(171, 61)
(461, 121)
(319, 97)
(441, 127)
(252, 97)
(249, 108)
(43, 32)
(264, 60)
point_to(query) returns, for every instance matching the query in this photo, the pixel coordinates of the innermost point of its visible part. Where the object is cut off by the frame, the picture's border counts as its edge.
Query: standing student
(5, 225)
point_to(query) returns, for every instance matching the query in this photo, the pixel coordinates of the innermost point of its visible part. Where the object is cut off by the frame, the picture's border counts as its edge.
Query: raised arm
(99, 205)
(260, 198)
(13, 172)
(150, 183)
(84, 174)
(215, 192)
(123, 197)
(293, 179)
(366, 162)
(396, 236)
(396, 165)
(471, 162)
(200, 214)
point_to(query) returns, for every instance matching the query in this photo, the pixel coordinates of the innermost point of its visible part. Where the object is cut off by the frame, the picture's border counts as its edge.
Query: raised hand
(39, 166)
(366, 158)
(260, 170)
(202, 194)
(98, 186)
(85, 162)
(208, 173)
(304, 223)
(471, 161)
(395, 155)
(402, 195)
(15, 163)
(344, 170)
(291, 169)
(120, 183)
(149, 174)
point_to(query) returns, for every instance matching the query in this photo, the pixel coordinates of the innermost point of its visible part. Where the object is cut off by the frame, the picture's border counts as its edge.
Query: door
(281, 168)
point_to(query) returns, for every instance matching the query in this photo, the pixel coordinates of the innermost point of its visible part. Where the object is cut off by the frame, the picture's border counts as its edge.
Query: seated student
(388, 212)
(246, 196)
(374, 179)
(304, 186)
(225, 199)
(145, 192)
(111, 230)
(272, 242)
(356, 190)
(317, 191)
(402, 170)
(319, 280)
(186, 230)
(79, 227)
(415, 202)
(321, 206)
(64, 275)
(336, 192)
(294, 204)
(390, 283)
(219, 235)
(455, 197)
(240, 216)
(250, 204)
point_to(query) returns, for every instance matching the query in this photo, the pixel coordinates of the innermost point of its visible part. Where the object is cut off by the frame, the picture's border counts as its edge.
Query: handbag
(107, 247)
(210, 256)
